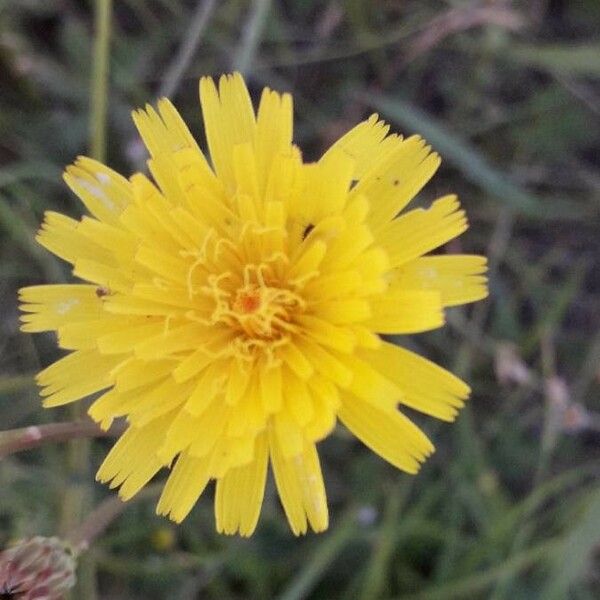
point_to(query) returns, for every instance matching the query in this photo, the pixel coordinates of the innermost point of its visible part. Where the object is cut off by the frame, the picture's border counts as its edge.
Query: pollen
(248, 301)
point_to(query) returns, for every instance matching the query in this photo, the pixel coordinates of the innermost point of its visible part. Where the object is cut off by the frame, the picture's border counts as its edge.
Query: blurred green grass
(509, 93)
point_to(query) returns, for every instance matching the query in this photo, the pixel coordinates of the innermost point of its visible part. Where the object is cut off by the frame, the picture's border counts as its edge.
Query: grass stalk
(99, 81)
(77, 500)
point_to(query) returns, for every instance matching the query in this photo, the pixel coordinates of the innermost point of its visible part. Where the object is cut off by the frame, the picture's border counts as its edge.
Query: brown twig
(26, 438)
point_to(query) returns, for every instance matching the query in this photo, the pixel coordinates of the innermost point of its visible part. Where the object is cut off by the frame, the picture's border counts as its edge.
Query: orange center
(248, 301)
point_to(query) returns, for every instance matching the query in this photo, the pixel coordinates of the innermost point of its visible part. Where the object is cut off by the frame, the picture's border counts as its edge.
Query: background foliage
(509, 94)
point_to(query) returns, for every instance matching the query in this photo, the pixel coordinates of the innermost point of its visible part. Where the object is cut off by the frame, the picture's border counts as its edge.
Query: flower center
(253, 298)
(263, 312)
(247, 301)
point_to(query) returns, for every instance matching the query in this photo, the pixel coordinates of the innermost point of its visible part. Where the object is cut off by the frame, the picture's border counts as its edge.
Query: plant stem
(26, 438)
(77, 494)
(99, 83)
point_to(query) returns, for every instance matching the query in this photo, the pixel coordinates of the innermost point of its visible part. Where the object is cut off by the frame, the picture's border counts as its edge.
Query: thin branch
(26, 438)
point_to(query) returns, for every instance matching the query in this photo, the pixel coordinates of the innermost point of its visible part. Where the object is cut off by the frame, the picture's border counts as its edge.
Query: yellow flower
(233, 309)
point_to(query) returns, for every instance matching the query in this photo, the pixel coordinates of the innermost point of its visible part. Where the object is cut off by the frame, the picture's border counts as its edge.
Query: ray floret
(232, 304)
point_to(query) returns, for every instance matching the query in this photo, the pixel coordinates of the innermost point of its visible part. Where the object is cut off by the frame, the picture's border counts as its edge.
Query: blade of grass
(470, 586)
(571, 559)
(330, 547)
(244, 57)
(376, 575)
(77, 500)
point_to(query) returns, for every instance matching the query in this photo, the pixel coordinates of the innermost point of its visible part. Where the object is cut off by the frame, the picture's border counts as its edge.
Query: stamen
(251, 298)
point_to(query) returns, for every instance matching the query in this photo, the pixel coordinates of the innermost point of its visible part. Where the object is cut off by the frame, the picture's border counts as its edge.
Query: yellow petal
(163, 132)
(228, 121)
(274, 126)
(333, 285)
(407, 311)
(458, 278)
(210, 429)
(420, 231)
(201, 191)
(348, 246)
(108, 277)
(186, 482)
(369, 384)
(323, 332)
(84, 335)
(288, 433)
(209, 384)
(76, 375)
(50, 306)
(326, 401)
(183, 337)
(62, 237)
(293, 357)
(132, 463)
(300, 486)
(213, 340)
(363, 143)
(349, 310)
(396, 179)
(240, 493)
(308, 261)
(132, 331)
(425, 386)
(237, 382)
(328, 184)
(388, 433)
(325, 363)
(119, 242)
(104, 192)
(297, 398)
(270, 388)
(245, 169)
(144, 219)
(180, 435)
(158, 400)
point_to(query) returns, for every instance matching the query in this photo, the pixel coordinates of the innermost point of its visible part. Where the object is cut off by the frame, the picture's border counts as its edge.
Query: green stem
(99, 83)
(77, 495)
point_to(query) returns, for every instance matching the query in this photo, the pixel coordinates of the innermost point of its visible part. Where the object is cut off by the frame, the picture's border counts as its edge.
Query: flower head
(37, 568)
(232, 310)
